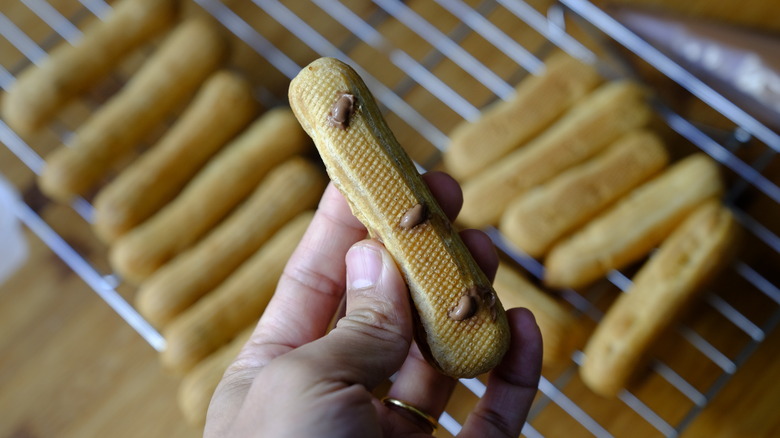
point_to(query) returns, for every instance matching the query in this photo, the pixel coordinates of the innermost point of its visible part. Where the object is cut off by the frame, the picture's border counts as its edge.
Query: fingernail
(364, 266)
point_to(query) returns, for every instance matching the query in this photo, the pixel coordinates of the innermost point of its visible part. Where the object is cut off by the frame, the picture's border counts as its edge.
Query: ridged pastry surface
(382, 186)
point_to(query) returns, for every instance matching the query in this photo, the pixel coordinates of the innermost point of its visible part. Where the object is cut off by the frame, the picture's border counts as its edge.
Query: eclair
(585, 130)
(663, 289)
(506, 125)
(538, 219)
(460, 325)
(631, 228)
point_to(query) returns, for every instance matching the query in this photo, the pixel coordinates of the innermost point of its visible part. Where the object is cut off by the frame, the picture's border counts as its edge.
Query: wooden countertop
(70, 367)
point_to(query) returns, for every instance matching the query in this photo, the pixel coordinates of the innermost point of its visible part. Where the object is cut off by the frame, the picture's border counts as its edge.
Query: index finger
(313, 283)
(512, 385)
(300, 311)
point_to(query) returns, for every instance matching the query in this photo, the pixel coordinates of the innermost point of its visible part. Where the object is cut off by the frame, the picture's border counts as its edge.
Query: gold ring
(414, 410)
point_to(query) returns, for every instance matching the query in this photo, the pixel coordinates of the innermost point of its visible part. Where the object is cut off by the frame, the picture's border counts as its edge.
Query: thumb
(372, 340)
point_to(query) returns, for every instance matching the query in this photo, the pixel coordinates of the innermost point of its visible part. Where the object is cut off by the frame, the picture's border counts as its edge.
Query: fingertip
(374, 282)
(364, 265)
(523, 362)
(447, 192)
(523, 326)
(513, 384)
(524, 316)
(482, 249)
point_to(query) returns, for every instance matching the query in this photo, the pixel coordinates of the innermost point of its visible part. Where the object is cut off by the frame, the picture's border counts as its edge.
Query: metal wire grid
(33, 52)
(362, 26)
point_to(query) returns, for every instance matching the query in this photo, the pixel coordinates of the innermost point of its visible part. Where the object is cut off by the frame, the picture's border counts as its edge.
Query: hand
(292, 379)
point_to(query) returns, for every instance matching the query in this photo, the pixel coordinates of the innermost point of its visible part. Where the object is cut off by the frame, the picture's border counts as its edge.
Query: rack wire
(431, 71)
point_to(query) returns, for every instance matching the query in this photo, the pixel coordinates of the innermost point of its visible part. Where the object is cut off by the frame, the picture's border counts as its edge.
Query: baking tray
(431, 64)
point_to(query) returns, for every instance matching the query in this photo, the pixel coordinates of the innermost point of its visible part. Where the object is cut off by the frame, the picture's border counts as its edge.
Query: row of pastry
(570, 172)
(202, 221)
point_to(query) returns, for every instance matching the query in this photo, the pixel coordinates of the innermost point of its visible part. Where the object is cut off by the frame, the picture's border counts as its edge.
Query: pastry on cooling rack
(586, 129)
(292, 187)
(239, 301)
(169, 78)
(228, 178)
(221, 109)
(536, 220)
(635, 225)
(662, 289)
(198, 385)
(70, 70)
(561, 332)
(505, 125)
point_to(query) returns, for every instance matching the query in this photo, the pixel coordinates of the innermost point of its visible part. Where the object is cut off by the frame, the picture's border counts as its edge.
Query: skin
(293, 378)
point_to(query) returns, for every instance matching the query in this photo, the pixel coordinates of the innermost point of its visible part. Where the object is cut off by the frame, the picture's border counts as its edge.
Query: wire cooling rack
(433, 63)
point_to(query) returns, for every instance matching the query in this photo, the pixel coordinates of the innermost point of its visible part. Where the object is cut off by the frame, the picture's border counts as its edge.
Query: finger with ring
(413, 410)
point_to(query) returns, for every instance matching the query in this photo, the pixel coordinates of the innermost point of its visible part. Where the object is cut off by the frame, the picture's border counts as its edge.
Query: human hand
(293, 378)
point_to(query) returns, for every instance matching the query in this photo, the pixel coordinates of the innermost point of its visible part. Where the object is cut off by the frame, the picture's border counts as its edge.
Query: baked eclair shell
(460, 324)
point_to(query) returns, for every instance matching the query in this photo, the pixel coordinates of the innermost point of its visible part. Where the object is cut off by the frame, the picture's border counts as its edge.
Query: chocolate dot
(341, 111)
(466, 308)
(413, 217)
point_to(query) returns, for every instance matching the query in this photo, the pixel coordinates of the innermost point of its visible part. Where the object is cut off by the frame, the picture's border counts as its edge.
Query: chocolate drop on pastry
(468, 304)
(466, 308)
(413, 217)
(341, 111)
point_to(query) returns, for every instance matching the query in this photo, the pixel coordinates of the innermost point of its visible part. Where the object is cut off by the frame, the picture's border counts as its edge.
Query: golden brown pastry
(70, 70)
(462, 327)
(663, 288)
(240, 300)
(505, 125)
(167, 79)
(220, 110)
(561, 333)
(198, 385)
(226, 181)
(587, 128)
(291, 188)
(542, 216)
(635, 225)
